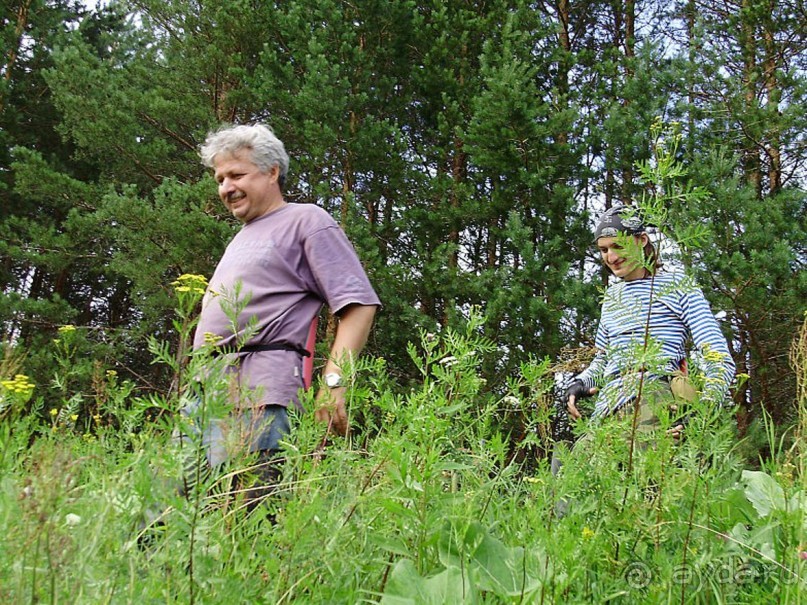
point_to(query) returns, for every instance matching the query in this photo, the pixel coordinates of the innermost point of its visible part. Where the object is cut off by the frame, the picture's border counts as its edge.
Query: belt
(259, 348)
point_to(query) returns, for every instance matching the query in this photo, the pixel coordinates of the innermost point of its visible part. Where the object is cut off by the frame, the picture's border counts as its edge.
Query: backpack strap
(310, 345)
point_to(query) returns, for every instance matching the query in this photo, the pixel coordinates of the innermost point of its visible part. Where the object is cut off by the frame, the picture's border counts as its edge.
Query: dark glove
(578, 389)
(683, 420)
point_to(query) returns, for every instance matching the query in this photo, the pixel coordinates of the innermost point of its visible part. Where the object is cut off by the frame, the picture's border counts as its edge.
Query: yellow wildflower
(67, 328)
(111, 373)
(20, 384)
(588, 533)
(190, 281)
(713, 356)
(53, 411)
(211, 339)
(73, 417)
(193, 277)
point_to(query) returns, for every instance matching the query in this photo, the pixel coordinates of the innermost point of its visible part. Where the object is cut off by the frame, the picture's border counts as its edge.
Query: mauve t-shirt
(287, 264)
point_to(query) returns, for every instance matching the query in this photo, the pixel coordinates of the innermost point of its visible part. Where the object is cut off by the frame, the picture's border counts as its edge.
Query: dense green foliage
(464, 147)
(424, 504)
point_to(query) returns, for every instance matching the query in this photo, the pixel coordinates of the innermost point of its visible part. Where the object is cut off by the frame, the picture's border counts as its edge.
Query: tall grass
(425, 503)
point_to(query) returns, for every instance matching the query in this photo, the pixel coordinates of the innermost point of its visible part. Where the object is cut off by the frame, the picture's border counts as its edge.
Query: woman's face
(623, 256)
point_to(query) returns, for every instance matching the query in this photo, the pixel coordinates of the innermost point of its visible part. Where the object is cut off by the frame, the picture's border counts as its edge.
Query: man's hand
(331, 409)
(577, 390)
(351, 335)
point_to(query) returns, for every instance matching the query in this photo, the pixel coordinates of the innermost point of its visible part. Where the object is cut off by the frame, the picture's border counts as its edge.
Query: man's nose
(225, 186)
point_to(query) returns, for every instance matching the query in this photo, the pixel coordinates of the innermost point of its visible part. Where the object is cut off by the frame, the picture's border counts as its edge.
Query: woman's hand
(575, 391)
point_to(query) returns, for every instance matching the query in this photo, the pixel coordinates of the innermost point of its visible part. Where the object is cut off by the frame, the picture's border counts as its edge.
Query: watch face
(333, 380)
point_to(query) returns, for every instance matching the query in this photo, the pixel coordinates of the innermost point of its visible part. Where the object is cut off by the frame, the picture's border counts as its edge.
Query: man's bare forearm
(352, 332)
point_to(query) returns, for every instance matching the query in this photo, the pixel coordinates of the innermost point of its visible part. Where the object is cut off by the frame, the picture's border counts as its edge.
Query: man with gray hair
(287, 261)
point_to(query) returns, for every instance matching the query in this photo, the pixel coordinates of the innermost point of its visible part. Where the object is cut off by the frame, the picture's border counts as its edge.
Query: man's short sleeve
(336, 268)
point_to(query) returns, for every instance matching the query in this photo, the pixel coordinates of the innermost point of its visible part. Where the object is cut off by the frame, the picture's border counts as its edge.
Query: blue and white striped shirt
(673, 309)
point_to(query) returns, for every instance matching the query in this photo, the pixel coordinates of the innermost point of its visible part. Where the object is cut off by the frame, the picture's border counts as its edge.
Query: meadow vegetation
(430, 500)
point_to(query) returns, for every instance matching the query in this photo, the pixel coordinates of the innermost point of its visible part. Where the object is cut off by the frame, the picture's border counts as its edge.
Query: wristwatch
(333, 380)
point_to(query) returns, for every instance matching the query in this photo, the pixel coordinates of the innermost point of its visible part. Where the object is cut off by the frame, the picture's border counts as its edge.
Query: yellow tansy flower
(190, 282)
(211, 339)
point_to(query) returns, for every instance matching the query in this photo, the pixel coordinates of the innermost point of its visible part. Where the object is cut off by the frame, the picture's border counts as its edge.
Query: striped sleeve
(719, 366)
(592, 375)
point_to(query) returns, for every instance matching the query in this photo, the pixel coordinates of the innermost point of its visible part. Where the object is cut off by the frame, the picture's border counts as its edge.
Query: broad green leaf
(498, 568)
(763, 492)
(733, 507)
(407, 587)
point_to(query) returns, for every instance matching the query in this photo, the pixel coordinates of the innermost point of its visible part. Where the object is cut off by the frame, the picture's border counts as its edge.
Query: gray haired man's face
(244, 189)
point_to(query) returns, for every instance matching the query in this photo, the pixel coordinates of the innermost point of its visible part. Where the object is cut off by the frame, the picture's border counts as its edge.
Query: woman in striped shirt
(647, 319)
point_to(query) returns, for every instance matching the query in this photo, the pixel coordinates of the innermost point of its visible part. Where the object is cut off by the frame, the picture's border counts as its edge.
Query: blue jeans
(248, 430)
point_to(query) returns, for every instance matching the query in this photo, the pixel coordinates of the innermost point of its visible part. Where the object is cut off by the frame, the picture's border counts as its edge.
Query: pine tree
(746, 120)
